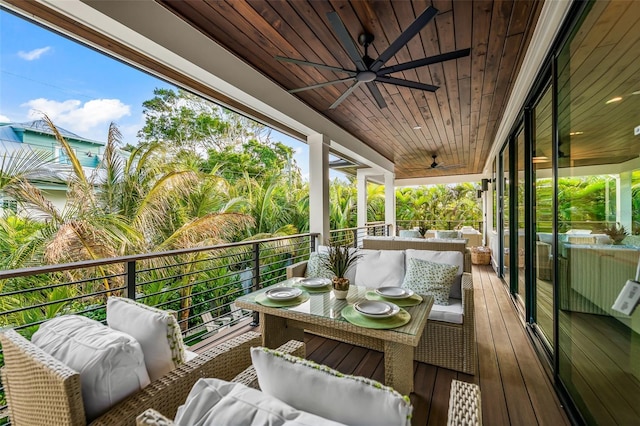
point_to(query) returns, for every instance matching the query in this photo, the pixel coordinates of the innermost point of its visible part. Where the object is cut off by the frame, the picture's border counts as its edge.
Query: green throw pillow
(430, 278)
(315, 268)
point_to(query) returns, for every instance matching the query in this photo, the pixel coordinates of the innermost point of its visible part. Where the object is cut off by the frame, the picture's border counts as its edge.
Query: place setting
(281, 297)
(376, 314)
(400, 296)
(314, 285)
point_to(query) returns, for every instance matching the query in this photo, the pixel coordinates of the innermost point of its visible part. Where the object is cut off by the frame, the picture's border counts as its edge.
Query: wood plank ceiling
(457, 123)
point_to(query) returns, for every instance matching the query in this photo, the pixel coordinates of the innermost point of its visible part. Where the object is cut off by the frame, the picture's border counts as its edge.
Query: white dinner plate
(375, 309)
(283, 293)
(315, 282)
(394, 292)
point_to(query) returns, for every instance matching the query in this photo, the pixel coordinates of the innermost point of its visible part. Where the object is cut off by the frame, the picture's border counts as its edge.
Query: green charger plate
(354, 317)
(414, 300)
(265, 301)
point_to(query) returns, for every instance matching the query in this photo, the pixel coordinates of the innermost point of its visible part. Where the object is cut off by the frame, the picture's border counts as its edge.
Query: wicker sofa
(41, 390)
(445, 344)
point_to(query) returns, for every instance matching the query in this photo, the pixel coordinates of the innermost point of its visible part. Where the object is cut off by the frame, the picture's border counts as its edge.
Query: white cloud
(34, 54)
(4, 119)
(75, 116)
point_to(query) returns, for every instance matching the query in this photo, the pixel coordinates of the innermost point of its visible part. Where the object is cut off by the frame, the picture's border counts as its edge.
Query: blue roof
(8, 131)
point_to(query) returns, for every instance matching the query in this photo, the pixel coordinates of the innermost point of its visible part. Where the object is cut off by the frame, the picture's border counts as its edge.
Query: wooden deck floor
(515, 388)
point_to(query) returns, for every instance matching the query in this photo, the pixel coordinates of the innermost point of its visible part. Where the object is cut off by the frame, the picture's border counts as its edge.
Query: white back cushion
(327, 393)
(110, 363)
(157, 332)
(449, 257)
(377, 268)
(217, 402)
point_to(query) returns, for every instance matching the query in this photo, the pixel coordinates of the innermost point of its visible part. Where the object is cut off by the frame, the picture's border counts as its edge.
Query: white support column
(361, 187)
(390, 201)
(319, 186)
(623, 201)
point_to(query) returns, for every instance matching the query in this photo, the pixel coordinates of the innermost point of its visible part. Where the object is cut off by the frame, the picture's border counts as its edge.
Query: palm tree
(137, 205)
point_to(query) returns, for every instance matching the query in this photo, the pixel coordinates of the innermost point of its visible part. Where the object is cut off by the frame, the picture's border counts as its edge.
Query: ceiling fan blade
(319, 85)
(313, 64)
(346, 40)
(425, 61)
(376, 94)
(342, 97)
(407, 83)
(404, 38)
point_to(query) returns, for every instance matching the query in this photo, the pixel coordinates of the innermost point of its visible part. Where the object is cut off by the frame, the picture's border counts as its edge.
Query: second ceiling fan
(368, 70)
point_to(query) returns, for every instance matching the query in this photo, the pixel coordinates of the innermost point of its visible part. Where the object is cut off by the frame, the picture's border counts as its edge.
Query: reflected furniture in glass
(592, 276)
(321, 314)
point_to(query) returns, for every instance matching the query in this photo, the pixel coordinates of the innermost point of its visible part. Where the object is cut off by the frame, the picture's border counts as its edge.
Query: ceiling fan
(369, 70)
(436, 165)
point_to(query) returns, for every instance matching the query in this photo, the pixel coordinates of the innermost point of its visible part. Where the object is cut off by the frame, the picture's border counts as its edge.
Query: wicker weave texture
(452, 346)
(464, 404)
(40, 390)
(247, 377)
(166, 394)
(281, 324)
(444, 344)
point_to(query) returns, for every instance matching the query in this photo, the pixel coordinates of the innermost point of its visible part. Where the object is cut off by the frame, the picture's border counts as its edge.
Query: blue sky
(80, 89)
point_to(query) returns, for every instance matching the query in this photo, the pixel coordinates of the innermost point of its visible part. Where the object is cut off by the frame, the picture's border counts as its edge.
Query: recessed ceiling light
(616, 99)
(417, 127)
(575, 133)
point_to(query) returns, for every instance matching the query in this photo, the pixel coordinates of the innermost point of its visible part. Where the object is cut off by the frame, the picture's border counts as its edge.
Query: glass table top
(325, 304)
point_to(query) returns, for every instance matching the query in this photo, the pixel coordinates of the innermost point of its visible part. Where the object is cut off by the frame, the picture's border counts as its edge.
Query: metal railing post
(256, 279)
(312, 242)
(131, 280)
(355, 238)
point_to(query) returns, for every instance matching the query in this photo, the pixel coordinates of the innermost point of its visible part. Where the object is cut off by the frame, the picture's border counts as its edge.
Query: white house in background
(36, 135)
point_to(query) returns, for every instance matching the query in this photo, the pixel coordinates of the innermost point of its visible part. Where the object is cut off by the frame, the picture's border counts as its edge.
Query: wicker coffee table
(321, 315)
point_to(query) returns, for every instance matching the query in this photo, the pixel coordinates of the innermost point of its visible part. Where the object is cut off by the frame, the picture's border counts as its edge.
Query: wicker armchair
(40, 390)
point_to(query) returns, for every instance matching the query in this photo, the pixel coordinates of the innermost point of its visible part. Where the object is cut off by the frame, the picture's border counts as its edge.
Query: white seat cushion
(451, 313)
(217, 402)
(156, 330)
(327, 393)
(110, 363)
(378, 268)
(448, 257)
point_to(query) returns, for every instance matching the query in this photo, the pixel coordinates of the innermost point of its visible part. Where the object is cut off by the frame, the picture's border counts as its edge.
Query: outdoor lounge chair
(41, 390)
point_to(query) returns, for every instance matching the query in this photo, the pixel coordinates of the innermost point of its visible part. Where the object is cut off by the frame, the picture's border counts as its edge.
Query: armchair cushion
(328, 393)
(110, 363)
(156, 330)
(377, 268)
(218, 402)
(434, 279)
